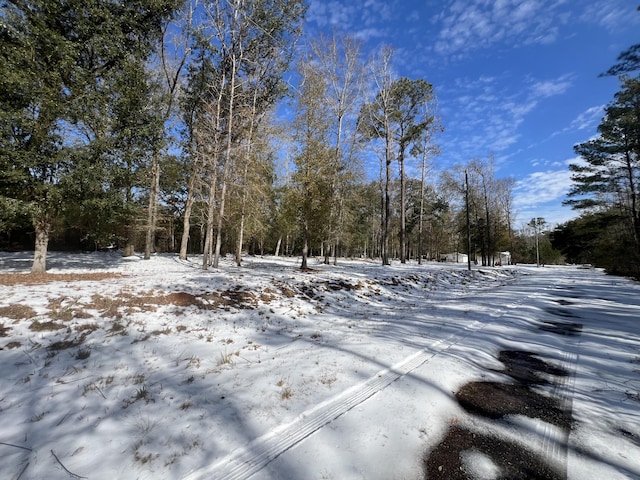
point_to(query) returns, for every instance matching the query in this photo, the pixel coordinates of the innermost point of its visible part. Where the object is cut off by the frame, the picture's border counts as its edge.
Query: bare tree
(174, 51)
(374, 123)
(339, 61)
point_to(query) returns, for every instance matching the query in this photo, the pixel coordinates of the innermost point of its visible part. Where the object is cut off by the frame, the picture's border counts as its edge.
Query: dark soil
(526, 367)
(513, 461)
(496, 400)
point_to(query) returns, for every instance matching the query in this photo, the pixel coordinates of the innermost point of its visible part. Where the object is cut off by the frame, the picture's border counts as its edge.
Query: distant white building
(455, 257)
(505, 258)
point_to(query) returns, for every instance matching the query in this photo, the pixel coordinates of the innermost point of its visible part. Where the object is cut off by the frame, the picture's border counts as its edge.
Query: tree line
(606, 182)
(219, 127)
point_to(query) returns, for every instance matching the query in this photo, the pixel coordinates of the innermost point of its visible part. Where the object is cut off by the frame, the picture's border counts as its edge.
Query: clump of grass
(225, 359)
(67, 343)
(193, 362)
(45, 326)
(286, 393)
(165, 331)
(117, 328)
(87, 327)
(108, 307)
(17, 312)
(83, 353)
(4, 330)
(142, 393)
(140, 457)
(98, 385)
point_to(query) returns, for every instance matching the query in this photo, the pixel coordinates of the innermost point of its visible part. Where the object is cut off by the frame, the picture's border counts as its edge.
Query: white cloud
(588, 119)
(542, 187)
(474, 24)
(550, 88)
(611, 15)
(540, 194)
(357, 17)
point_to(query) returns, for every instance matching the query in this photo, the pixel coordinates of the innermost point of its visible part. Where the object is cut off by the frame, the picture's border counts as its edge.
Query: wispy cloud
(364, 19)
(540, 193)
(471, 24)
(550, 88)
(489, 112)
(610, 14)
(588, 119)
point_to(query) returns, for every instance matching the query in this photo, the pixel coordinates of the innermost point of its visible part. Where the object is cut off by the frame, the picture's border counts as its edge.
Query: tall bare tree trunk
(421, 215)
(277, 252)
(191, 197)
(227, 165)
(152, 210)
(403, 212)
(208, 239)
(43, 229)
(171, 78)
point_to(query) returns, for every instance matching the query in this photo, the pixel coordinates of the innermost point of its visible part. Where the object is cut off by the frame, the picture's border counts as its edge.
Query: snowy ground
(348, 371)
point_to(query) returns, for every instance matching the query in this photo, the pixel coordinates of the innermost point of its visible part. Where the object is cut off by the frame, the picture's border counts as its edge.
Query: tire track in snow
(245, 461)
(248, 460)
(554, 443)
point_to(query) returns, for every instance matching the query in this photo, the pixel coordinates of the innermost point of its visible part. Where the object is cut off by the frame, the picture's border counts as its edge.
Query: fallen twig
(16, 446)
(65, 468)
(22, 471)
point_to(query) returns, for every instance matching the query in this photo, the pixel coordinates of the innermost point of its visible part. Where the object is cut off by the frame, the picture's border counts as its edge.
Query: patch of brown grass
(10, 279)
(17, 312)
(45, 326)
(106, 305)
(87, 327)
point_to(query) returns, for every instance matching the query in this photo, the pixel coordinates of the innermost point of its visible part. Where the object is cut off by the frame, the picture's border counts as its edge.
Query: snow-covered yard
(124, 368)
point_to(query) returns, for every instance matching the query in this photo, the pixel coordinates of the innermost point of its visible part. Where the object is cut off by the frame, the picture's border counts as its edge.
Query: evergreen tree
(608, 177)
(59, 62)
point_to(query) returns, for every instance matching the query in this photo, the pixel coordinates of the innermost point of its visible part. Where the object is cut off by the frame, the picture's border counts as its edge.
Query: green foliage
(398, 112)
(608, 177)
(73, 101)
(599, 238)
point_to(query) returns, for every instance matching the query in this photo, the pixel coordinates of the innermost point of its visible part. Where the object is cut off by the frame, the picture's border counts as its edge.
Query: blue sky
(516, 79)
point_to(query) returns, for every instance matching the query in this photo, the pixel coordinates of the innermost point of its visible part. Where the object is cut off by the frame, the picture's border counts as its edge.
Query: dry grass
(17, 312)
(10, 279)
(45, 326)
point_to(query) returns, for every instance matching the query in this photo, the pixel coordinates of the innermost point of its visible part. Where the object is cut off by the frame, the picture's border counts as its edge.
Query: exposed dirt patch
(41, 278)
(231, 298)
(526, 367)
(511, 460)
(182, 299)
(497, 400)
